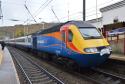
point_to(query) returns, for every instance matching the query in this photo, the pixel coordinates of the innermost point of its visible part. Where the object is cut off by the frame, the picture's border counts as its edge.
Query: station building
(110, 14)
(113, 17)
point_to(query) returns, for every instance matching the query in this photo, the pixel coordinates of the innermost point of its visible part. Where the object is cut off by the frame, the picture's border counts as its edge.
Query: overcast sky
(41, 10)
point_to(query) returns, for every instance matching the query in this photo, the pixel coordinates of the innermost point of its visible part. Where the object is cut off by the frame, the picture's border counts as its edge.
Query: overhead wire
(92, 9)
(30, 13)
(81, 16)
(13, 2)
(55, 14)
(43, 8)
(47, 0)
(38, 9)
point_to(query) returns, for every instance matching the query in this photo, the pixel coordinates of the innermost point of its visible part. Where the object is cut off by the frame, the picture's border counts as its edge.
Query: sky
(48, 10)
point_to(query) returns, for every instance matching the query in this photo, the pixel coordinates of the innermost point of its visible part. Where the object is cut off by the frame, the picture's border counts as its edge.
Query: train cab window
(90, 33)
(70, 36)
(63, 36)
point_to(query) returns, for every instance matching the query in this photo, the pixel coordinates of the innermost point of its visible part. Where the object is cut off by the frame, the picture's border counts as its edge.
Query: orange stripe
(71, 46)
(56, 35)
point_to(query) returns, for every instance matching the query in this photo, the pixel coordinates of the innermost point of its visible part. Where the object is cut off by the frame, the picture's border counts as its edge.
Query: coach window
(29, 40)
(70, 36)
(21, 40)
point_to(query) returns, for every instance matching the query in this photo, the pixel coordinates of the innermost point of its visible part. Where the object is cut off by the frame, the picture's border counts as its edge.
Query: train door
(64, 40)
(34, 42)
(67, 37)
(64, 37)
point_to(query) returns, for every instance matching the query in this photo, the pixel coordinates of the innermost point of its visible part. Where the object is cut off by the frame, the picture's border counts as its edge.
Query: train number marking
(104, 51)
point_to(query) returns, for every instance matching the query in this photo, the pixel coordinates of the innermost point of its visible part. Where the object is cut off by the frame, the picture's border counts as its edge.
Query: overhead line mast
(1, 14)
(84, 10)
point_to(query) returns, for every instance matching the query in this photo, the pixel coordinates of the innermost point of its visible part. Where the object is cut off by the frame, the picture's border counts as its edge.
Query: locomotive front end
(89, 48)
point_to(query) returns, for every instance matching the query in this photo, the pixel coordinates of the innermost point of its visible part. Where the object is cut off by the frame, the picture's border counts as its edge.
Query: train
(73, 43)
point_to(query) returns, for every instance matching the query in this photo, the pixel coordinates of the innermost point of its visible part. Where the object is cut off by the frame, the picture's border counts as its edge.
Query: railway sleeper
(49, 82)
(37, 77)
(40, 80)
(33, 72)
(105, 79)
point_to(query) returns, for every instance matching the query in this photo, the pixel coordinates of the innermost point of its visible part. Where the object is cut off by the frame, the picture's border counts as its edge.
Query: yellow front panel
(80, 43)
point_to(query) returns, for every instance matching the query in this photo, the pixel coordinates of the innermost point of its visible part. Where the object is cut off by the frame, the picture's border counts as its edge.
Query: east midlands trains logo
(41, 41)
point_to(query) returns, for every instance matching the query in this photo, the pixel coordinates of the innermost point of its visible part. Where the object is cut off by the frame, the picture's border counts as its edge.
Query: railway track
(106, 77)
(98, 76)
(34, 74)
(95, 75)
(112, 72)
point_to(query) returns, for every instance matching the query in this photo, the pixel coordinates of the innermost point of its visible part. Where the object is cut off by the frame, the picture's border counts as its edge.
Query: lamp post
(43, 23)
(84, 9)
(96, 11)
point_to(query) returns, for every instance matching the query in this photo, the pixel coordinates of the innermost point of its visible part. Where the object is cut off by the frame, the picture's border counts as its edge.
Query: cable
(102, 4)
(69, 15)
(81, 17)
(73, 15)
(55, 14)
(15, 3)
(30, 13)
(91, 8)
(52, 0)
(43, 8)
(35, 16)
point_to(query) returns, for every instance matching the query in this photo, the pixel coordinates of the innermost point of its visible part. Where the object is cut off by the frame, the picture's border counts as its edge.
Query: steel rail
(21, 68)
(38, 66)
(113, 76)
(49, 74)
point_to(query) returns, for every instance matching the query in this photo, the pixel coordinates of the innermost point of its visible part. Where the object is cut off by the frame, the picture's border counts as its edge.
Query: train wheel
(54, 58)
(72, 65)
(46, 56)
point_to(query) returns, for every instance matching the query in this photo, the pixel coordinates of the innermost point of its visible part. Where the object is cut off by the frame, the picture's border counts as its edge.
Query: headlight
(91, 50)
(109, 47)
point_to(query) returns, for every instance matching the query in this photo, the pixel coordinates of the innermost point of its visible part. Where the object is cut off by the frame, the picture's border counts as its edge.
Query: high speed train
(73, 43)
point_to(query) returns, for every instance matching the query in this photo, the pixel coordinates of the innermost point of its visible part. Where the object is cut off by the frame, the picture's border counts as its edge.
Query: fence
(117, 43)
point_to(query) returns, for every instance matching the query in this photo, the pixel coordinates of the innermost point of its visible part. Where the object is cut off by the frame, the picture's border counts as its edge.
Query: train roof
(58, 26)
(81, 23)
